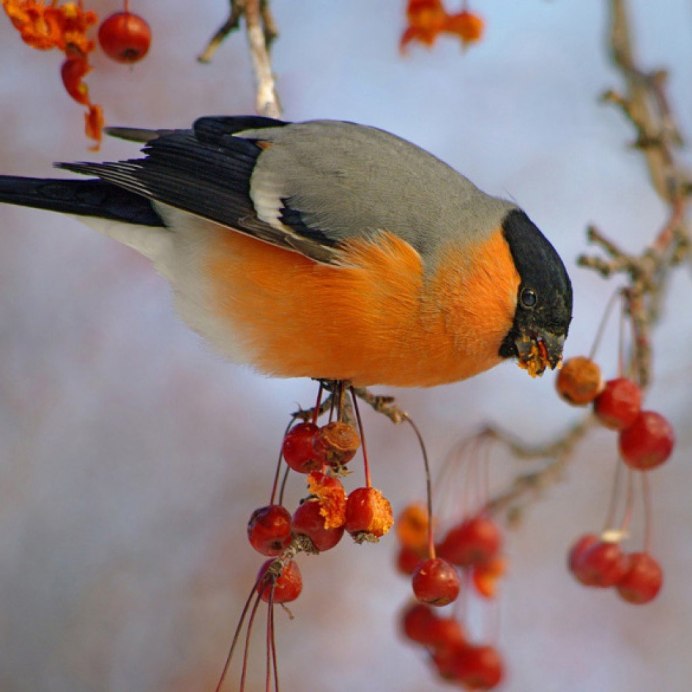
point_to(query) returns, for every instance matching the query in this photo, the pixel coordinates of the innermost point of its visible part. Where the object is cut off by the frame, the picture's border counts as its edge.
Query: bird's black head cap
(544, 299)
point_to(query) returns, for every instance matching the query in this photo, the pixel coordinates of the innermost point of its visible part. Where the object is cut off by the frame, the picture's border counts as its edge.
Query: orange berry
(412, 527)
(467, 25)
(579, 381)
(368, 514)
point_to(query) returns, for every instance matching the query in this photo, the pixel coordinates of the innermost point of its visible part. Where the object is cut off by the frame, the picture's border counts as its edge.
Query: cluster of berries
(469, 553)
(645, 440)
(123, 36)
(322, 517)
(321, 455)
(427, 19)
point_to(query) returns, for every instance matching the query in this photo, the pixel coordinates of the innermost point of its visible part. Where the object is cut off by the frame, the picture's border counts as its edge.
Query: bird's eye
(528, 298)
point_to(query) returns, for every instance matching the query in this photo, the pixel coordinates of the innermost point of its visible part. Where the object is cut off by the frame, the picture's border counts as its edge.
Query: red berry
(435, 582)
(475, 541)
(407, 560)
(298, 449)
(479, 667)
(417, 621)
(124, 37)
(648, 442)
(447, 660)
(269, 529)
(368, 514)
(643, 579)
(576, 553)
(281, 583)
(421, 624)
(445, 633)
(309, 521)
(618, 404)
(602, 564)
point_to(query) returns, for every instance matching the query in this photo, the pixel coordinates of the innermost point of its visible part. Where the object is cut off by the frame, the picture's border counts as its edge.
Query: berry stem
(646, 494)
(614, 493)
(603, 322)
(248, 633)
(236, 636)
(621, 339)
(428, 485)
(361, 432)
(282, 489)
(318, 403)
(629, 503)
(271, 666)
(275, 484)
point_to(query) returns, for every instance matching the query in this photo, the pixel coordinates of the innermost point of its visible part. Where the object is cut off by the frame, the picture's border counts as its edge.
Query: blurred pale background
(131, 456)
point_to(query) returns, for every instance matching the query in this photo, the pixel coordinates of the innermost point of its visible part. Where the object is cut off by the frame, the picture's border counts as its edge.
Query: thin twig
(261, 31)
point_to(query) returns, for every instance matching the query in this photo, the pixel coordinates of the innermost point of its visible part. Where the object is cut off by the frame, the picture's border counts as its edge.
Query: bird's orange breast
(379, 318)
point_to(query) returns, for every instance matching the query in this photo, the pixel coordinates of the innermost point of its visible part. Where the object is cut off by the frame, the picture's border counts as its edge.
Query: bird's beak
(537, 352)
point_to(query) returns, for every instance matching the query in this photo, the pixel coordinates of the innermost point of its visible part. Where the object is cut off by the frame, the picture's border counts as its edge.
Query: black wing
(206, 171)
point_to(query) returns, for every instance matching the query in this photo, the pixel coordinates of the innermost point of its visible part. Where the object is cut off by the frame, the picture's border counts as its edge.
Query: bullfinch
(326, 249)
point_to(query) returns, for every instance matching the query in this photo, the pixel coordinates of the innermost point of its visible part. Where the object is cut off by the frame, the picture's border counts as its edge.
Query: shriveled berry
(474, 541)
(337, 443)
(280, 583)
(308, 520)
(124, 37)
(368, 514)
(330, 493)
(643, 579)
(269, 529)
(579, 381)
(467, 25)
(436, 582)
(618, 404)
(298, 448)
(648, 442)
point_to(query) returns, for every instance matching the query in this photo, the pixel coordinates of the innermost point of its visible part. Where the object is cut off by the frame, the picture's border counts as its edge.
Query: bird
(325, 249)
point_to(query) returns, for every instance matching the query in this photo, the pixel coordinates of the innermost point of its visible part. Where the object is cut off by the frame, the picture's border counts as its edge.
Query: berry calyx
(269, 529)
(475, 541)
(124, 37)
(309, 521)
(643, 579)
(298, 448)
(435, 582)
(278, 582)
(618, 404)
(579, 381)
(336, 443)
(368, 514)
(648, 442)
